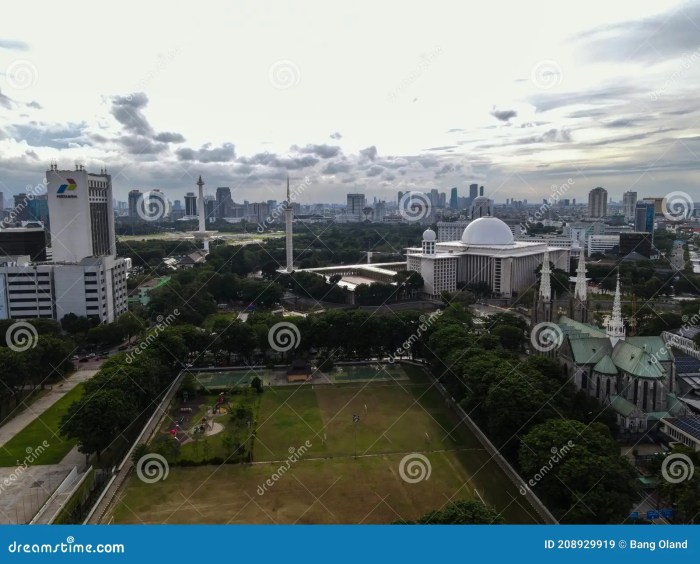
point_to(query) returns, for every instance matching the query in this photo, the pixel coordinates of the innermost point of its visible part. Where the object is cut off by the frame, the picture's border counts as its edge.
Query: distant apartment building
(629, 203)
(355, 205)
(598, 202)
(190, 204)
(644, 216)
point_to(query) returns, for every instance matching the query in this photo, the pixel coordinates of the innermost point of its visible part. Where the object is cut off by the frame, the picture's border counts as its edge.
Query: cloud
(335, 168)
(550, 136)
(621, 122)
(127, 111)
(5, 102)
(169, 137)
(605, 95)
(336, 135)
(650, 40)
(139, 145)
(369, 153)
(57, 136)
(503, 115)
(36, 105)
(375, 170)
(225, 153)
(13, 45)
(323, 151)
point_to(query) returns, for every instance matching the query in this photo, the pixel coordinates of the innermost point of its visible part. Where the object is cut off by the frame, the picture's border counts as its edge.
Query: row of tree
(529, 409)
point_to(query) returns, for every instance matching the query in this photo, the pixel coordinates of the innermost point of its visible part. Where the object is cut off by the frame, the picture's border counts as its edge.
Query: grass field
(44, 428)
(328, 484)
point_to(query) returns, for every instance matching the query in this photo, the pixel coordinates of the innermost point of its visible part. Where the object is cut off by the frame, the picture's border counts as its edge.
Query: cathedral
(635, 376)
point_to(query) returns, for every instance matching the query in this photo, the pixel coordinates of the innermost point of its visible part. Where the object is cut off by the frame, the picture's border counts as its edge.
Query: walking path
(37, 408)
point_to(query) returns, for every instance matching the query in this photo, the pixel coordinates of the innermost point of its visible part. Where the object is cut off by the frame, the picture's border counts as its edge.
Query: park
(372, 444)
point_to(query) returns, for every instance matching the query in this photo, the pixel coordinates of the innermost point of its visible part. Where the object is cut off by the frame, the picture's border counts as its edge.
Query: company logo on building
(67, 187)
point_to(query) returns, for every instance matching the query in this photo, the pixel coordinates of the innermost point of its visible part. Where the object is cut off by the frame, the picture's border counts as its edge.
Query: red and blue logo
(70, 186)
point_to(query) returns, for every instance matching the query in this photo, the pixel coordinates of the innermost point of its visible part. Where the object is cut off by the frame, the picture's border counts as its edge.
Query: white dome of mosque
(487, 231)
(480, 200)
(429, 235)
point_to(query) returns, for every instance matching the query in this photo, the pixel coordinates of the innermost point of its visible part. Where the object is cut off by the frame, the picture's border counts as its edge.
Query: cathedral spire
(545, 280)
(616, 326)
(581, 290)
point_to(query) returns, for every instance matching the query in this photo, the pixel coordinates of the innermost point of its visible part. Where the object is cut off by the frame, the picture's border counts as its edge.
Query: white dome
(429, 235)
(487, 231)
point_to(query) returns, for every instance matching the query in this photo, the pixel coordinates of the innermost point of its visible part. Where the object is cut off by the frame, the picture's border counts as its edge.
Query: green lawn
(43, 428)
(326, 483)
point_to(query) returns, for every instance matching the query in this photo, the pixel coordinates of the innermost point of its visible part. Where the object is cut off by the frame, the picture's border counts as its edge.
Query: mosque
(486, 253)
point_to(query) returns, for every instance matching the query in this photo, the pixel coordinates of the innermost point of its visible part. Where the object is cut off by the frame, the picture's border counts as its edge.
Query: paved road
(21, 420)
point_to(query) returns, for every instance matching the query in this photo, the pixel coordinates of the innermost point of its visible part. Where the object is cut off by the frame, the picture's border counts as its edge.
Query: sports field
(325, 482)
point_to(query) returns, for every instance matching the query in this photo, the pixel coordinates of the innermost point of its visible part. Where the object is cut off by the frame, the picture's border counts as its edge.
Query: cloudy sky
(362, 96)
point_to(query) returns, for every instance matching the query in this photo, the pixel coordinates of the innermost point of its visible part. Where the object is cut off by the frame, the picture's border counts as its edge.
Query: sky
(371, 97)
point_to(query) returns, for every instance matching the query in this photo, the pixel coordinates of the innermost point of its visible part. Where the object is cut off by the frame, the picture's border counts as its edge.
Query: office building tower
(224, 203)
(134, 203)
(598, 202)
(644, 216)
(190, 204)
(454, 199)
(473, 191)
(355, 205)
(629, 203)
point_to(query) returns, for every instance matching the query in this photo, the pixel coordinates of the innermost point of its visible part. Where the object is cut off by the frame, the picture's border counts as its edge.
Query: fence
(519, 483)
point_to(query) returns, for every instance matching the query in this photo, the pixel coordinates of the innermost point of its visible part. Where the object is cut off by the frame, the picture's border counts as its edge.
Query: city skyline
(443, 108)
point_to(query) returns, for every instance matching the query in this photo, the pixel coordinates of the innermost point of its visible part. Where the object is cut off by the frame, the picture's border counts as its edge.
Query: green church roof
(605, 366)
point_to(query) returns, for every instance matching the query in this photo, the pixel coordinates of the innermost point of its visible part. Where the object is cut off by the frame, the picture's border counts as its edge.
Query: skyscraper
(473, 191)
(629, 201)
(190, 204)
(598, 202)
(644, 217)
(82, 215)
(356, 202)
(134, 197)
(224, 203)
(454, 199)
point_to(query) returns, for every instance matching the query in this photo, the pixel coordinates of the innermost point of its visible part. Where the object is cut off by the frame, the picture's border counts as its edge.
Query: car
(84, 359)
(75, 357)
(92, 355)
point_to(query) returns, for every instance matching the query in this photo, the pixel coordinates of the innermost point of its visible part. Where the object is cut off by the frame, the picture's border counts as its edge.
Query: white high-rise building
(356, 203)
(85, 277)
(629, 200)
(80, 208)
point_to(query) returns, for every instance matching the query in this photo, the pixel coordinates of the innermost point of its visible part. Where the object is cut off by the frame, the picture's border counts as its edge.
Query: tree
(257, 384)
(462, 512)
(97, 419)
(510, 337)
(578, 471)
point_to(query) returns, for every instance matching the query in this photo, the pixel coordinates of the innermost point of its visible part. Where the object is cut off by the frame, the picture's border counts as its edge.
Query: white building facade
(486, 253)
